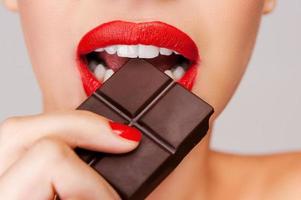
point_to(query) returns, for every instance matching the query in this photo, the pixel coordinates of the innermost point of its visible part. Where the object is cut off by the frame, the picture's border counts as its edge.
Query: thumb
(77, 129)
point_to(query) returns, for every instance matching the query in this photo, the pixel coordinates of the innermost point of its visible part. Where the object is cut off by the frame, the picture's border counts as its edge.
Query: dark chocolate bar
(171, 119)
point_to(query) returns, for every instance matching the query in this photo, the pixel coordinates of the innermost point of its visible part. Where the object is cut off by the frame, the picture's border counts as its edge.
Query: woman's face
(224, 33)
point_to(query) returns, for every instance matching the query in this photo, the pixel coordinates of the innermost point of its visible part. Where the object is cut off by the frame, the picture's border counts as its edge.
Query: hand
(37, 159)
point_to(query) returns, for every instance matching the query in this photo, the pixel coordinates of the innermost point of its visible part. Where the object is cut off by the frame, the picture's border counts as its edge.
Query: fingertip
(106, 135)
(126, 132)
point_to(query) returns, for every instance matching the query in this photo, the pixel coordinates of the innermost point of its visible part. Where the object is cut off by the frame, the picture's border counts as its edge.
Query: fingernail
(125, 131)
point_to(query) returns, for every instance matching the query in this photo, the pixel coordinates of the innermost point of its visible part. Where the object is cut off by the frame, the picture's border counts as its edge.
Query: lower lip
(91, 84)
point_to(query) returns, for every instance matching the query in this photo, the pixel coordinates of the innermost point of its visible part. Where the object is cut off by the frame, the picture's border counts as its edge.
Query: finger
(51, 167)
(76, 128)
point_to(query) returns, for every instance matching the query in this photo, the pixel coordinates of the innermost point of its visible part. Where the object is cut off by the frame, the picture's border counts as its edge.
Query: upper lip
(148, 33)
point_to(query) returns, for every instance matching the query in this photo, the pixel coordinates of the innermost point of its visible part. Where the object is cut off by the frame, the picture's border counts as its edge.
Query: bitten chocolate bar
(171, 119)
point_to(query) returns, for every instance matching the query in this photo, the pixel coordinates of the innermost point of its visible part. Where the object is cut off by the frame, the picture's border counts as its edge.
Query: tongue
(112, 61)
(161, 62)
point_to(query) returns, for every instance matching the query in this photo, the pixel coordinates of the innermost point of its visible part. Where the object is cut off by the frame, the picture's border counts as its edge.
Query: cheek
(50, 41)
(227, 33)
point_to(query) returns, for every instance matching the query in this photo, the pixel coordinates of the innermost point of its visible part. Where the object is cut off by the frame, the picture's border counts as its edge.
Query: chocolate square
(133, 87)
(176, 115)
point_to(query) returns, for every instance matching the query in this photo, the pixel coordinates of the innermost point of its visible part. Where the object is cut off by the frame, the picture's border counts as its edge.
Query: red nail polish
(125, 131)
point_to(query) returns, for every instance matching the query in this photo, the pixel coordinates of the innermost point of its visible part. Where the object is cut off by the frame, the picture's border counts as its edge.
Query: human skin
(224, 32)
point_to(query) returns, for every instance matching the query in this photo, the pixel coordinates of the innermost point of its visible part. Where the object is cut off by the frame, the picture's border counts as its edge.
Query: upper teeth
(165, 51)
(136, 51)
(111, 49)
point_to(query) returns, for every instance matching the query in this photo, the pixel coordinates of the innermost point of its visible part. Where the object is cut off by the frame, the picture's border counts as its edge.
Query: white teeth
(178, 73)
(111, 49)
(169, 73)
(148, 51)
(134, 51)
(100, 50)
(166, 52)
(108, 74)
(129, 51)
(99, 72)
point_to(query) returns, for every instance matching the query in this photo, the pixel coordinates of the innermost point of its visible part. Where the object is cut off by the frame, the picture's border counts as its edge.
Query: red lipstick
(128, 33)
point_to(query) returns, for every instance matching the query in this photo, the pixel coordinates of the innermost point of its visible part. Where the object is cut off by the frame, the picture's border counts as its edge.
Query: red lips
(128, 33)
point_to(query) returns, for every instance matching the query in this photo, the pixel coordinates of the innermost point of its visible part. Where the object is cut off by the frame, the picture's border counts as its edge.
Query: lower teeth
(108, 74)
(103, 73)
(99, 72)
(178, 72)
(175, 73)
(169, 73)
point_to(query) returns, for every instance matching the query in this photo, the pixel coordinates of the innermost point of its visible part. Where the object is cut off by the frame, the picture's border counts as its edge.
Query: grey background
(263, 116)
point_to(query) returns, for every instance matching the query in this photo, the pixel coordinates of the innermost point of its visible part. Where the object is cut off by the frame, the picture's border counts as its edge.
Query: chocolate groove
(133, 122)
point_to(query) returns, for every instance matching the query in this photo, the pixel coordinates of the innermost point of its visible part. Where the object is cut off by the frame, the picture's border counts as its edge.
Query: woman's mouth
(105, 49)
